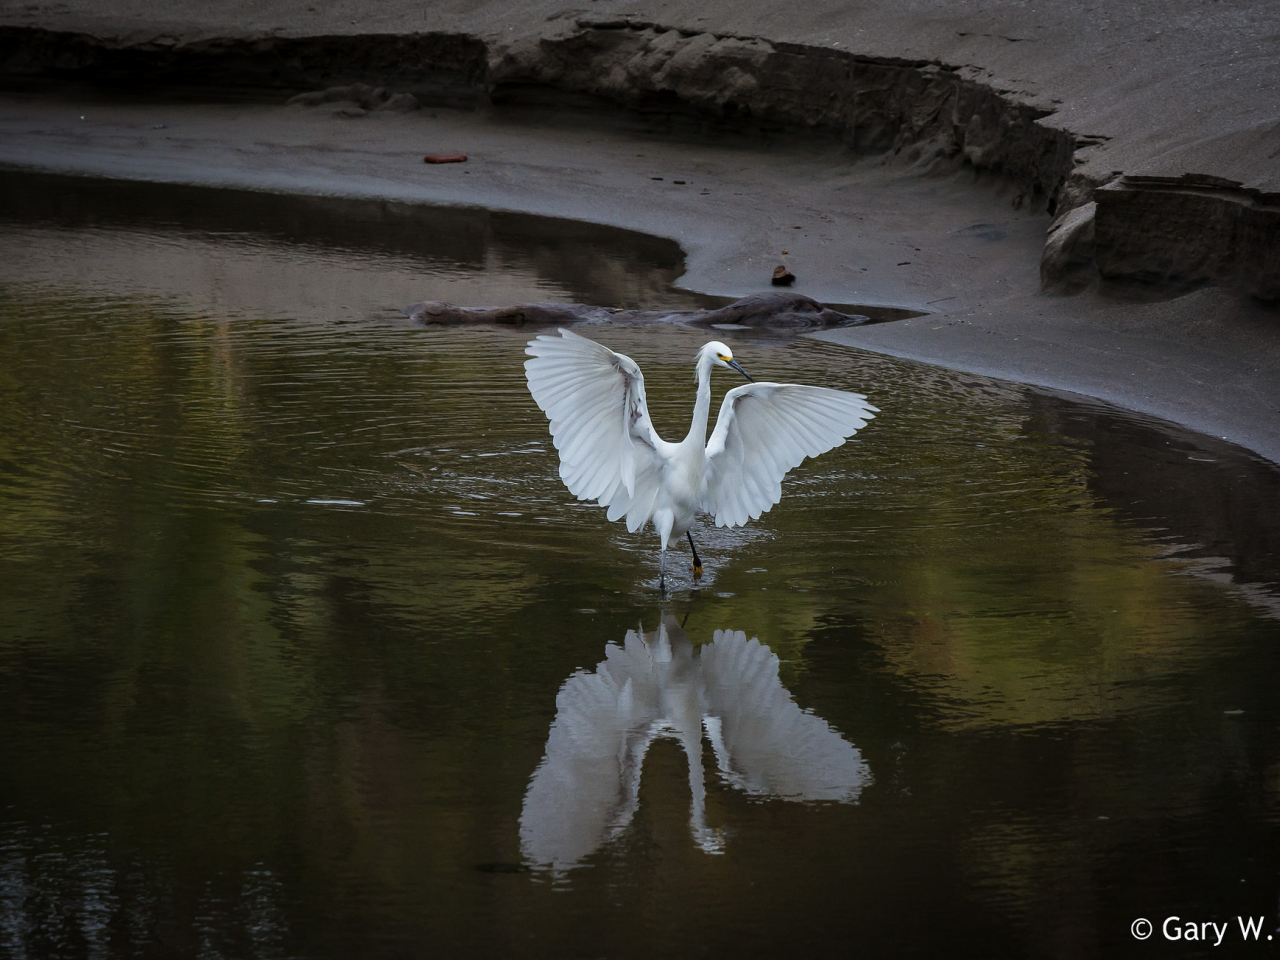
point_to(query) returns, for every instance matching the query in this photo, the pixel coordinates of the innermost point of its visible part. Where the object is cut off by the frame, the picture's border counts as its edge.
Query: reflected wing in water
(587, 786)
(764, 743)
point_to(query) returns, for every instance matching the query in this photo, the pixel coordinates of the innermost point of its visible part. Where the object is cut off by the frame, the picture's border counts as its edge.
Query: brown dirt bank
(1168, 106)
(1151, 123)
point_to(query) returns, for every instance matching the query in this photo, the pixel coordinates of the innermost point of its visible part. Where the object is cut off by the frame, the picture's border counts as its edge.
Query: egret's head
(720, 354)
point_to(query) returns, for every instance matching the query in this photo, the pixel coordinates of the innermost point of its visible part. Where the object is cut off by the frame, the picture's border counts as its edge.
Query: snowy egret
(610, 452)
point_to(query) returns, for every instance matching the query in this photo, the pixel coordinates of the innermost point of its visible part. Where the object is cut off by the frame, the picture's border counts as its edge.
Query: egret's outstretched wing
(600, 424)
(765, 429)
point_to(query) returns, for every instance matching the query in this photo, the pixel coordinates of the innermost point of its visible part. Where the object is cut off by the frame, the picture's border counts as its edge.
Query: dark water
(305, 651)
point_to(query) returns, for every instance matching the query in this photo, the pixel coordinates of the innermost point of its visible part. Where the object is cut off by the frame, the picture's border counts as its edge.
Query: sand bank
(914, 155)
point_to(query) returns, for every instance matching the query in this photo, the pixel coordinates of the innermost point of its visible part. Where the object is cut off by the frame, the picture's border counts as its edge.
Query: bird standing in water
(610, 452)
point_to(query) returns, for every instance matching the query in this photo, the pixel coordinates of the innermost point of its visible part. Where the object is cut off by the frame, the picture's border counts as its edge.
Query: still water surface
(306, 652)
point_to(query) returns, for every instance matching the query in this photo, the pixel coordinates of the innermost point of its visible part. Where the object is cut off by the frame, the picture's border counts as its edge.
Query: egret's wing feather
(600, 423)
(766, 429)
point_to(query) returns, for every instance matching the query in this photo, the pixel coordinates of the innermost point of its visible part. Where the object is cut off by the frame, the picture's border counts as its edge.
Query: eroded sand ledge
(1162, 220)
(1184, 230)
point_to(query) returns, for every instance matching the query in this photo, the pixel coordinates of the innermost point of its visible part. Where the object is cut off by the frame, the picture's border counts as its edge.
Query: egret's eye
(723, 356)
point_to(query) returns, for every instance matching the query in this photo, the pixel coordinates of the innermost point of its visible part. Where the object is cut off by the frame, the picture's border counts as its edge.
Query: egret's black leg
(662, 572)
(697, 562)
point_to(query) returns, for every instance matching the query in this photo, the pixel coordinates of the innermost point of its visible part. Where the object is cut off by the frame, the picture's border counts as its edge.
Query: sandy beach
(1161, 114)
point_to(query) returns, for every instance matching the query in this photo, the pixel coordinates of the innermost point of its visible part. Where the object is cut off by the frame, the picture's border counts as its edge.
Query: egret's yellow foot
(697, 571)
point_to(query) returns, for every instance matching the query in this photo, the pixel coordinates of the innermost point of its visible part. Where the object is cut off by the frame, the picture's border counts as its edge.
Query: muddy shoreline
(1164, 231)
(1172, 275)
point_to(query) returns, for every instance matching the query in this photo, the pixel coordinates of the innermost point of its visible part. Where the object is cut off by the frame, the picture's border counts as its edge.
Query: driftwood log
(779, 311)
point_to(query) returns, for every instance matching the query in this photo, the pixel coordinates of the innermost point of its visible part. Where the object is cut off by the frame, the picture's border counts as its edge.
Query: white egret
(610, 452)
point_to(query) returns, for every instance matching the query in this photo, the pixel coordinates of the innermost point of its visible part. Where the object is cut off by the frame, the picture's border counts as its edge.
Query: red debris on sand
(445, 158)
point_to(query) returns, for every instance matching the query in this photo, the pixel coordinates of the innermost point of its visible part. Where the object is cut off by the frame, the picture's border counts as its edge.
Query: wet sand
(870, 231)
(855, 230)
(1176, 93)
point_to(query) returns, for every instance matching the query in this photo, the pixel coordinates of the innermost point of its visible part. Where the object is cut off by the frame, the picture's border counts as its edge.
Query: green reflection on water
(287, 603)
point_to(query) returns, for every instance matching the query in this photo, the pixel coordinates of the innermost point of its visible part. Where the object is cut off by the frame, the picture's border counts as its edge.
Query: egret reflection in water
(587, 788)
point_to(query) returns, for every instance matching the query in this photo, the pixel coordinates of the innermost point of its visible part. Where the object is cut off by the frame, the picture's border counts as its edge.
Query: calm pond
(305, 651)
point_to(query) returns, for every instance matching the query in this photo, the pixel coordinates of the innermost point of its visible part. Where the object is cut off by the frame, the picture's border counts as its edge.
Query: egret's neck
(702, 406)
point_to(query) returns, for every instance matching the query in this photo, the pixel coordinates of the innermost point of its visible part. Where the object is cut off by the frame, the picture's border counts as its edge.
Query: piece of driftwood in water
(770, 310)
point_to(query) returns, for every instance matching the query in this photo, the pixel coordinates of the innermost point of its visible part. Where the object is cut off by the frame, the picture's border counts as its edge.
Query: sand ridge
(1154, 91)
